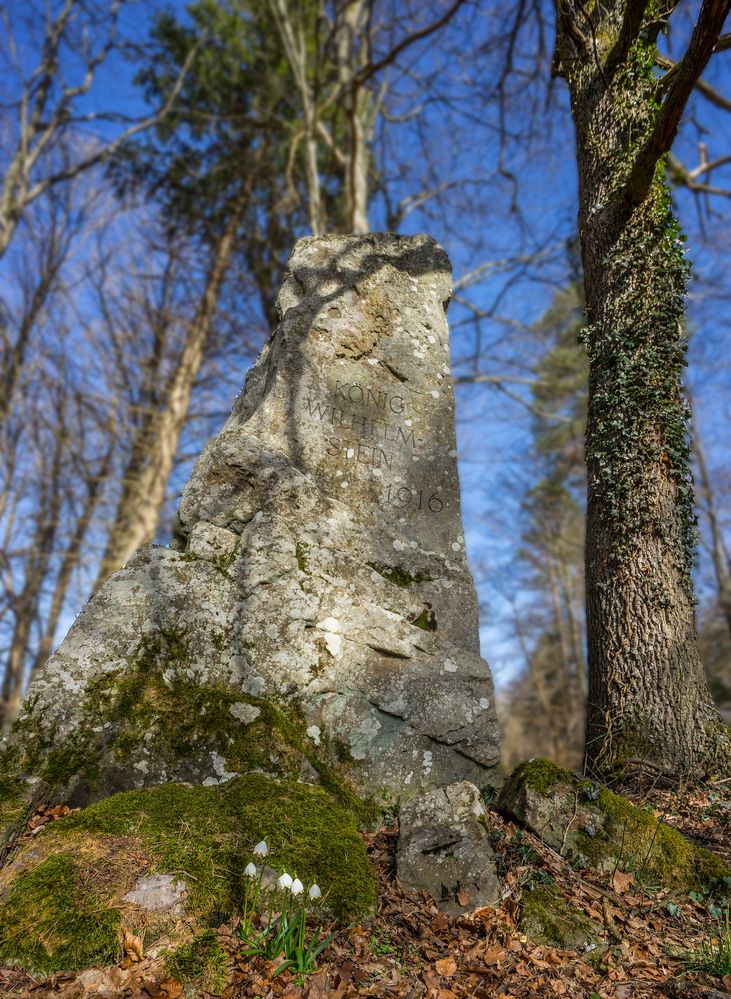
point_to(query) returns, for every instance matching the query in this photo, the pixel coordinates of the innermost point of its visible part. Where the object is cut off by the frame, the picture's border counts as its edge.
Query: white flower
(250, 871)
(314, 892)
(297, 887)
(284, 881)
(261, 849)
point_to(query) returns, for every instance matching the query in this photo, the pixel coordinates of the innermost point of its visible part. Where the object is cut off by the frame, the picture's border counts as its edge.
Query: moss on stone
(540, 775)
(62, 905)
(427, 620)
(13, 801)
(596, 826)
(396, 574)
(152, 703)
(639, 842)
(546, 918)
(301, 549)
(49, 921)
(208, 832)
(201, 961)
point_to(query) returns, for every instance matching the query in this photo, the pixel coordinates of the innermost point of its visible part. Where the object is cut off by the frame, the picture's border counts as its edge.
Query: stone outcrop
(315, 617)
(594, 827)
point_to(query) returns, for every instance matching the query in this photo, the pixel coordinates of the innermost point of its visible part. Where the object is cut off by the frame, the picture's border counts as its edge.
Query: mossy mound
(594, 826)
(645, 845)
(15, 798)
(547, 918)
(62, 901)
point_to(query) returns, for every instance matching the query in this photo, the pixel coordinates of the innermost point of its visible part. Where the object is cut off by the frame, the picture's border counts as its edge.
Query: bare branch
(417, 36)
(705, 36)
(704, 88)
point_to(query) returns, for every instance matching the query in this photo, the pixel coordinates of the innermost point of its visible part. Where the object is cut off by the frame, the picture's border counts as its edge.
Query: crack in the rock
(396, 374)
(389, 653)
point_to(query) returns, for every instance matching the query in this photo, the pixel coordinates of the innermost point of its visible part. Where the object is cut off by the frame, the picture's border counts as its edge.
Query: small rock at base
(444, 848)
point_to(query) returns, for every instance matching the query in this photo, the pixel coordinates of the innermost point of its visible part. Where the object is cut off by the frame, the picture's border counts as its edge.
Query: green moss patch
(63, 894)
(201, 960)
(540, 775)
(639, 842)
(152, 703)
(547, 918)
(597, 827)
(49, 921)
(13, 801)
(397, 575)
(427, 620)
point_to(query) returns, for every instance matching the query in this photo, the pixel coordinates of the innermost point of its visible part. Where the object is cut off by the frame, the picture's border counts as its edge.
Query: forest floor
(649, 943)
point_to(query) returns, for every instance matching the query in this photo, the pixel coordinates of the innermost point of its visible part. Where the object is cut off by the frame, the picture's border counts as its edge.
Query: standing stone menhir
(315, 614)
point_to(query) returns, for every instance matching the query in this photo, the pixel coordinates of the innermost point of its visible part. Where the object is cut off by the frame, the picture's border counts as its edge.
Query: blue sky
(516, 198)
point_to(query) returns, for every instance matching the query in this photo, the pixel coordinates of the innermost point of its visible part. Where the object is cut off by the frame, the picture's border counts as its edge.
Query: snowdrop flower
(314, 892)
(297, 887)
(285, 881)
(250, 871)
(261, 849)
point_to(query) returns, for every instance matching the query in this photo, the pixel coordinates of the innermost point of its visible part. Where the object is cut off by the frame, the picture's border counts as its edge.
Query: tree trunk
(351, 29)
(648, 697)
(71, 559)
(26, 603)
(143, 492)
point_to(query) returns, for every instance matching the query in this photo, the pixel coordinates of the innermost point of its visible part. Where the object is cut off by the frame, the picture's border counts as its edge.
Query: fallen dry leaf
(132, 945)
(494, 954)
(168, 988)
(621, 882)
(446, 967)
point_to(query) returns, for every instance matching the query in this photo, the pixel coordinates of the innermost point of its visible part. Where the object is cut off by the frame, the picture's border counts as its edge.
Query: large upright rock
(315, 616)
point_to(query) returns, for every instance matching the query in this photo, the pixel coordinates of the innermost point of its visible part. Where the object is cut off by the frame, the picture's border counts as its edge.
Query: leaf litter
(411, 949)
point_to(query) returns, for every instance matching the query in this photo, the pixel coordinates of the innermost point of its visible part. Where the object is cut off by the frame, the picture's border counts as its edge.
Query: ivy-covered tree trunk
(648, 699)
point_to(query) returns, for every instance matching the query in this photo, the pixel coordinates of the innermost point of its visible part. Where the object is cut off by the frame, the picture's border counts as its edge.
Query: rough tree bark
(648, 697)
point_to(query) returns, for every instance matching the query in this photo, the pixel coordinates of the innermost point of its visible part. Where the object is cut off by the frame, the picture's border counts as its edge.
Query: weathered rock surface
(444, 848)
(315, 618)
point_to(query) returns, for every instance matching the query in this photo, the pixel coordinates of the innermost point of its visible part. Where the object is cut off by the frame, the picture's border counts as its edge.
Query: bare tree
(165, 408)
(354, 46)
(48, 103)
